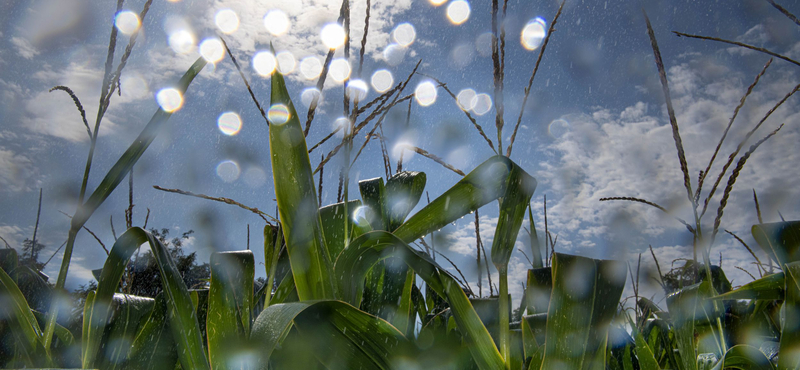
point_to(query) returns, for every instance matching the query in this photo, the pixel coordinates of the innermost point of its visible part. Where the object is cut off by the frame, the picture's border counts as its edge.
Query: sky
(595, 124)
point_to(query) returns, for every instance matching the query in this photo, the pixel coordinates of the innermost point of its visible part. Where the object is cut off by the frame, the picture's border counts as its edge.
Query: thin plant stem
(261, 214)
(434, 158)
(747, 46)
(246, 83)
(478, 249)
(533, 74)
(750, 250)
(727, 128)
(785, 12)
(77, 105)
(36, 227)
(498, 82)
(649, 203)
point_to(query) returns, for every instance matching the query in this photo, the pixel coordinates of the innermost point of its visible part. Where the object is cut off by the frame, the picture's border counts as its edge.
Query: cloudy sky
(595, 124)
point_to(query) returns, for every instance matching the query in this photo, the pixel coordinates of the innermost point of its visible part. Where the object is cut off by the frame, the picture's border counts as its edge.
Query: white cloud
(24, 48)
(632, 153)
(16, 171)
(12, 235)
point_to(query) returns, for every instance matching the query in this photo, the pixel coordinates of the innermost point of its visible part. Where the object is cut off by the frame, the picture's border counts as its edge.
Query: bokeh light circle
(182, 41)
(169, 99)
(127, 22)
(264, 63)
(425, 93)
(339, 70)
(212, 50)
(228, 171)
(357, 90)
(533, 34)
(558, 128)
(333, 35)
(404, 34)
(308, 95)
(276, 22)
(458, 11)
(382, 80)
(227, 21)
(465, 99)
(229, 123)
(286, 62)
(310, 67)
(278, 114)
(481, 104)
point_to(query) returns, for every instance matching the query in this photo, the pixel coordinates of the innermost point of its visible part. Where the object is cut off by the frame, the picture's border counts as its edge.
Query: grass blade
(744, 357)
(21, 318)
(780, 240)
(769, 287)
(790, 334)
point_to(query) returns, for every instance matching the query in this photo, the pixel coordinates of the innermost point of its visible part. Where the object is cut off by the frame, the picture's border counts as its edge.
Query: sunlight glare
(127, 22)
(169, 99)
(458, 11)
(229, 123)
(361, 216)
(339, 70)
(333, 35)
(404, 34)
(310, 67)
(425, 94)
(382, 80)
(286, 62)
(276, 22)
(227, 21)
(264, 63)
(212, 50)
(437, 2)
(533, 34)
(278, 114)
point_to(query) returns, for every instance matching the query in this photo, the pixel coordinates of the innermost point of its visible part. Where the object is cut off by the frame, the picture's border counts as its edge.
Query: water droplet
(127, 22)
(382, 80)
(228, 171)
(404, 34)
(181, 41)
(339, 70)
(310, 67)
(333, 35)
(308, 96)
(278, 114)
(458, 11)
(357, 90)
(465, 99)
(276, 22)
(212, 50)
(533, 34)
(264, 63)
(286, 62)
(169, 99)
(229, 123)
(425, 94)
(227, 21)
(481, 104)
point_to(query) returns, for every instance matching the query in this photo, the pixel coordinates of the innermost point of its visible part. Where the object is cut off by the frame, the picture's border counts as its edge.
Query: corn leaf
(780, 240)
(22, 321)
(789, 357)
(333, 224)
(181, 312)
(353, 264)
(585, 296)
(403, 191)
(373, 194)
(487, 182)
(769, 287)
(744, 357)
(644, 353)
(154, 347)
(339, 335)
(691, 313)
(229, 303)
(297, 200)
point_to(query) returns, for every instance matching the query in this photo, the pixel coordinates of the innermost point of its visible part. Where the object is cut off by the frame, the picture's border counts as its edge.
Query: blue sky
(597, 81)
